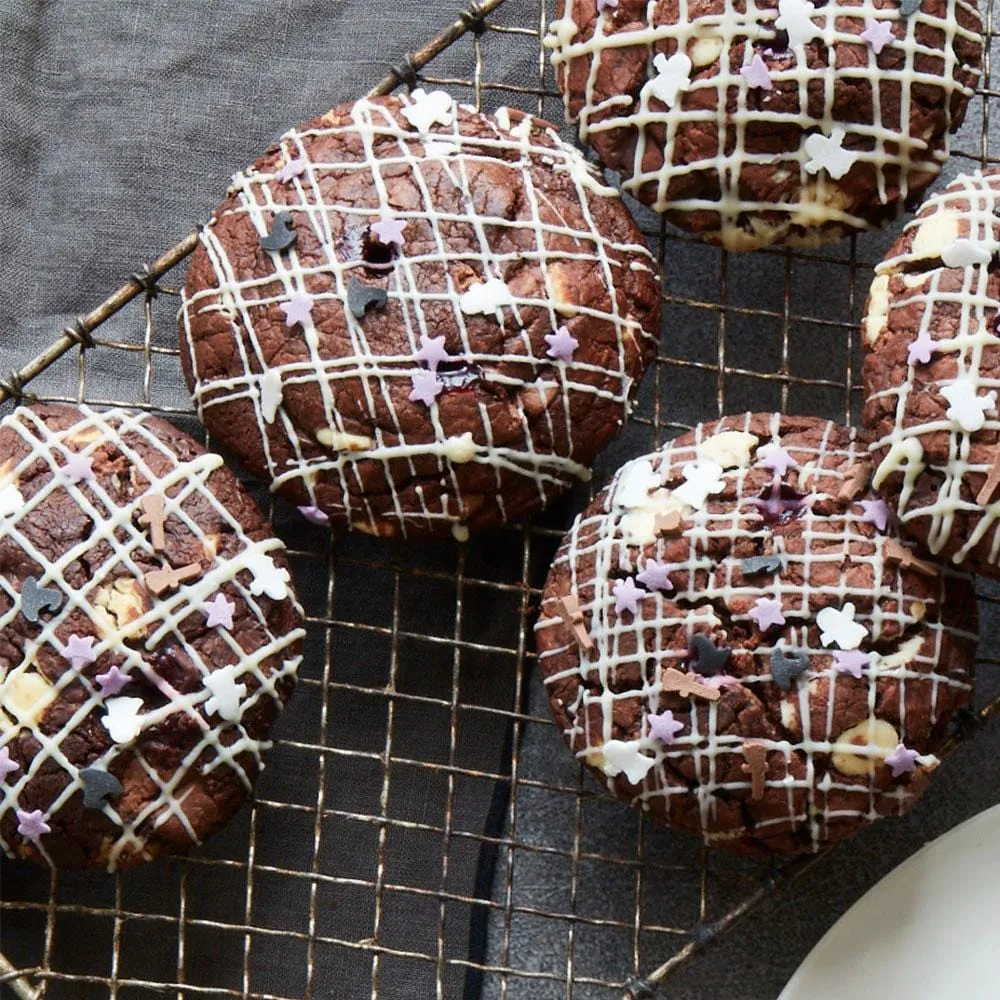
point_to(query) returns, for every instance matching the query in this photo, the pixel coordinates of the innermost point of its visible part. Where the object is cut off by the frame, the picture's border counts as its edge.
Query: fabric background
(120, 122)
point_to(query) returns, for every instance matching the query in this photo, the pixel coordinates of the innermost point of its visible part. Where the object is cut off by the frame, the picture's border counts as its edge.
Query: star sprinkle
(123, 721)
(314, 515)
(701, 479)
(901, 761)
(225, 694)
(98, 787)
(767, 612)
(484, 298)
(389, 231)
(878, 34)
(432, 352)
(268, 578)
(112, 681)
(828, 153)
(78, 468)
(876, 512)
(78, 651)
(654, 576)
(851, 662)
(920, 351)
(219, 611)
(795, 18)
(838, 626)
(775, 458)
(7, 766)
(297, 310)
(627, 596)
(757, 74)
(708, 659)
(672, 76)
(32, 825)
(964, 253)
(664, 727)
(291, 170)
(427, 109)
(426, 387)
(966, 408)
(786, 665)
(562, 344)
(626, 758)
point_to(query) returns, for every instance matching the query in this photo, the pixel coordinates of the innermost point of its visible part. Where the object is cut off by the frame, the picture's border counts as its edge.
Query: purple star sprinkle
(7, 766)
(757, 74)
(767, 612)
(603, 5)
(627, 596)
(298, 309)
(32, 825)
(664, 727)
(878, 34)
(293, 168)
(876, 512)
(562, 344)
(219, 611)
(654, 576)
(432, 351)
(426, 386)
(721, 681)
(389, 231)
(112, 682)
(902, 760)
(850, 661)
(78, 467)
(79, 651)
(921, 349)
(314, 515)
(776, 458)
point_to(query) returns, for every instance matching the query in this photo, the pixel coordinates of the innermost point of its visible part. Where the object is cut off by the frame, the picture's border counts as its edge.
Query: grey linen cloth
(120, 123)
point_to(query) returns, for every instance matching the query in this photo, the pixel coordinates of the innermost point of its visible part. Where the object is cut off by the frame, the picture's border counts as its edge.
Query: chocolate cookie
(148, 638)
(415, 319)
(751, 125)
(734, 638)
(932, 373)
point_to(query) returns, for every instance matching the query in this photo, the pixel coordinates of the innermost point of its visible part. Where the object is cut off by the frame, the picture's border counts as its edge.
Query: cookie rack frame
(499, 878)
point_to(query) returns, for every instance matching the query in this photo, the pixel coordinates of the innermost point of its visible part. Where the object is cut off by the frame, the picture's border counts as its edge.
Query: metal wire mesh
(376, 863)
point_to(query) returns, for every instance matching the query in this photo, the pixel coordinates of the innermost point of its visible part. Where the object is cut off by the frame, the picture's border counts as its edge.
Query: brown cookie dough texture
(820, 136)
(779, 746)
(105, 676)
(445, 408)
(932, 374)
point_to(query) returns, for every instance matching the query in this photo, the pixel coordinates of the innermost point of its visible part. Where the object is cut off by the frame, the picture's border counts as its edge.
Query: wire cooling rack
(420, 832)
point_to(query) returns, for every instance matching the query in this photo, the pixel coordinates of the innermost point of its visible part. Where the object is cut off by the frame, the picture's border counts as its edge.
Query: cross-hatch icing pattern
(713, 150)
(827, 782)
(954, 315)
(117, 543)
(336, 455)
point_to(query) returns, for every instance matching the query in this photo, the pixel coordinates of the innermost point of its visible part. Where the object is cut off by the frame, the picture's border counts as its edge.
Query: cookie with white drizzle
(786, 122)
(932, 374)
(455, 331)
(767, 668)
(135, 700)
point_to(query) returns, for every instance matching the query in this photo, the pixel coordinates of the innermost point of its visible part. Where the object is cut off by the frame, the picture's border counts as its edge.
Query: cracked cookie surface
(786, 122)
(454, 333)
(932, 374)
(148, 638)
(734, 639)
